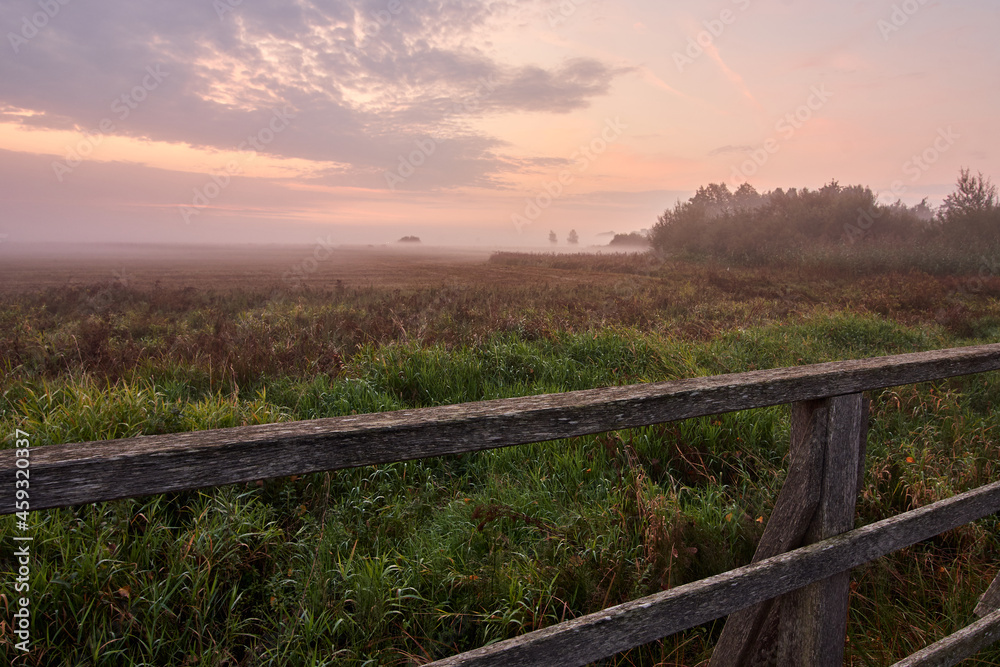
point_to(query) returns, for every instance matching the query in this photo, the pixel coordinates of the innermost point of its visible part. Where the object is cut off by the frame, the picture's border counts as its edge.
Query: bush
(630, 239)
(971, 211)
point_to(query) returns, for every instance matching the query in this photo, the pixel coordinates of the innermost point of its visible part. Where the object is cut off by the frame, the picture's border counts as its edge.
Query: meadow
(405, 563)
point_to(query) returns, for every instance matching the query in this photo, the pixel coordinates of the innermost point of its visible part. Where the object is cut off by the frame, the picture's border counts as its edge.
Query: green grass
(408, 562)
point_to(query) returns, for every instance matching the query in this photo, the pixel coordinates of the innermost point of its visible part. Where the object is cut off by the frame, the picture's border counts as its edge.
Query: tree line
(752, 226)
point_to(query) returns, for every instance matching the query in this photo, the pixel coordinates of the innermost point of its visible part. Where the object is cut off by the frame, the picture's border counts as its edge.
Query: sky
(471, 123)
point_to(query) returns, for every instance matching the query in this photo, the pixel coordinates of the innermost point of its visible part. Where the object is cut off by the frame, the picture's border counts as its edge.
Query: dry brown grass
(241, 323)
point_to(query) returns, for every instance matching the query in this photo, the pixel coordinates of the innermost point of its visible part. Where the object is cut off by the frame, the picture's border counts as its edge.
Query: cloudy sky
(471, 122)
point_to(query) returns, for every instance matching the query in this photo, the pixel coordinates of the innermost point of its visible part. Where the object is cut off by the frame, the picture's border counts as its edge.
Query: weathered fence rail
(787, 607)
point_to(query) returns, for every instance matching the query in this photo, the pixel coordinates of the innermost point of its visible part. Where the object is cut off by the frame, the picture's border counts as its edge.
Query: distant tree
(923, 211)
(714, 198)
(409, 239)
(573, 238)
(746, 198)
(553, 239)
(972, 208)
(631, 239)
(751, 227)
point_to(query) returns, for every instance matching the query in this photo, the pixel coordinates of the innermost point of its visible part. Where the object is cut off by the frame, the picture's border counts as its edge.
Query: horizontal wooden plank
(595, 636)
(71, 474)
(958, 646)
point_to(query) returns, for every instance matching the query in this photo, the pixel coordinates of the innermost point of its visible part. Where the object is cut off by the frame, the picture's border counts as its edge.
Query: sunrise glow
(371, 118)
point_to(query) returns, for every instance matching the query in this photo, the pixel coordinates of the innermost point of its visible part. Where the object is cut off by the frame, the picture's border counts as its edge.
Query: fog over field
(39, 266)
(467, 123)
(321, 324)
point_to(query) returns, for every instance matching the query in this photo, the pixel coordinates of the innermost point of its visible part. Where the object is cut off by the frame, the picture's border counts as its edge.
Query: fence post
(990, 600)
(806, 627)
(813, 622)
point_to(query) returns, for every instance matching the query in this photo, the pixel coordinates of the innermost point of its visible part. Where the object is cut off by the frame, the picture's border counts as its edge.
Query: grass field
(400, 564)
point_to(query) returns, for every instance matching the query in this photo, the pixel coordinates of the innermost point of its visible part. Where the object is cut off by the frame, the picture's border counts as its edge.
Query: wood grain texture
(990, 601)
(958, 646)
(866, 413)
(71, 474)
(813, 622)
(749, 637)
(595, 636)
(802, 627)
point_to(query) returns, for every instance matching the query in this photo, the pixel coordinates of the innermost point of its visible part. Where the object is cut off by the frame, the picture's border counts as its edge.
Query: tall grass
(403, 563)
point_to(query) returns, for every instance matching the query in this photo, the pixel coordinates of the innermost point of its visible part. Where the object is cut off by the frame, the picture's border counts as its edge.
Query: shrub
(630, 239)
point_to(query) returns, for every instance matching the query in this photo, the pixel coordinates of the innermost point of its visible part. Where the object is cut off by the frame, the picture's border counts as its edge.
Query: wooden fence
(788, 607)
